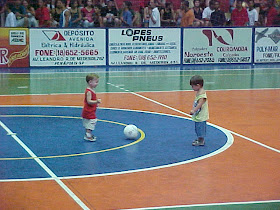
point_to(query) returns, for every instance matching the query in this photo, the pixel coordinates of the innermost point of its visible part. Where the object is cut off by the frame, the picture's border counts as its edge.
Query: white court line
(161, 104)
(61, 184)
(169, 107)
(207, 205)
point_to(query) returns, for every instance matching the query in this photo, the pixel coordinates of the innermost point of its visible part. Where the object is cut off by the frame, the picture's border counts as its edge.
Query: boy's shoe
(198, 143)
(92, 138)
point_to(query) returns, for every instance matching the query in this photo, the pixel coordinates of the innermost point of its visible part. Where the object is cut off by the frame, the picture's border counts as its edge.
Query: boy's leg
(89, 125)
(200, 129)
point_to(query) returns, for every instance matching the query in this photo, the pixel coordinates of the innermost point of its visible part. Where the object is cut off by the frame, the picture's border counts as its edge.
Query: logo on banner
(18, 55)
(274, 36)
(141, 35)
(260, 35)
(17, 37)
(211, 34)
(54, 35)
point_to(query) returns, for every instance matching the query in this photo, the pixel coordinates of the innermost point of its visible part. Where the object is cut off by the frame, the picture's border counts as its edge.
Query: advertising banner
(67, 47)
(139, 46)
(217, 45)
(14, 47)
(267, 47)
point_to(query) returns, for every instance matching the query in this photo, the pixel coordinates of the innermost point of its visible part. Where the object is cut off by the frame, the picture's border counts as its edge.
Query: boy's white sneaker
(92, 138)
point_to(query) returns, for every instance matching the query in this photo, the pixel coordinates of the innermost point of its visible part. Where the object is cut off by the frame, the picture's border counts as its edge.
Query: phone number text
(63, 52)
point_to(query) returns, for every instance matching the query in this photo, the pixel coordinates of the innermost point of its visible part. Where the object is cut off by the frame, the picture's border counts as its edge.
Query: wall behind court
(21, 47)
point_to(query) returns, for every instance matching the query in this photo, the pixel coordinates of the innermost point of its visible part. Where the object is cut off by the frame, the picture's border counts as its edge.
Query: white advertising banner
(217, 45)
(67, 47)
(267, 47)
(140, 46)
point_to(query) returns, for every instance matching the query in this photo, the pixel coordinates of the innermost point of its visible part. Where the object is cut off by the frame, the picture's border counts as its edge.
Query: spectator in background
(271, 13)
(167, 15)
(53, 22)
(67, 4)
(97, 18)
(232, 5)
(262, 12)
(110, 15)
(76, 14)
(188, 16)
(2, 12)
(191, 3)
(87, 14)
(126, 15)
(252, 14)
(20, 12)
(160, 4)
(197, 10)
(30, 14)
(239, 16)
(42, 14)
(146, 15)
(64, 19)
(11, 20)
(102, 3)
(218, 17)
(179, 14)
(138, 17)
(206, 15)
(154, 14)
(56, 11)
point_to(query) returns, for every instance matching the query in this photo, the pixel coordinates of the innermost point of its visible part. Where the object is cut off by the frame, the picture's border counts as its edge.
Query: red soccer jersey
(42, 14)
(89, 110)
(239, 17)
(271, 16)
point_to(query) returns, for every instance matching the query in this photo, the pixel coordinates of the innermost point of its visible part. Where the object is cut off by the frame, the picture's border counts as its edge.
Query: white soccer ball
(131, 132)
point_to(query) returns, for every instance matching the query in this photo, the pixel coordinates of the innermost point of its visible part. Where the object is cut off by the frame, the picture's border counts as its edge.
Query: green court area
(56, 81)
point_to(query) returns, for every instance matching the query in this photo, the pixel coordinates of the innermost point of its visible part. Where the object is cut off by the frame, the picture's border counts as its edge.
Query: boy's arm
(199, 105)
(90, 102)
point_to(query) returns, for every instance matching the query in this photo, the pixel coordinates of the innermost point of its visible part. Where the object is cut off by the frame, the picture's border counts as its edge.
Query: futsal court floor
(46, 164)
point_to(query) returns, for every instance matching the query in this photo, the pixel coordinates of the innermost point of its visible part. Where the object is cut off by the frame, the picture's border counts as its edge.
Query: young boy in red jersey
(90, 105)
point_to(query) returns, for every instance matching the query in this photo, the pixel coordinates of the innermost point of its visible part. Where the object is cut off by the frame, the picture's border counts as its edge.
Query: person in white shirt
(11, 20)
(154, 20)
(252, 14)
(206, 14)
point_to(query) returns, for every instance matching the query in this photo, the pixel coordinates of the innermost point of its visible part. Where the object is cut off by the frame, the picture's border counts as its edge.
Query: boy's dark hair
(91, 77)
(196, 80)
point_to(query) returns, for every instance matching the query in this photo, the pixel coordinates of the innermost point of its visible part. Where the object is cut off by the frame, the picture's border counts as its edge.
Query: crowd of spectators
(153, 13)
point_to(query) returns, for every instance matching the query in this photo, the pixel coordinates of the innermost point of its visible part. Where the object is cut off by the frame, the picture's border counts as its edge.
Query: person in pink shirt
(239, 16)
(271, 14)
(42, 14)
(87, 13)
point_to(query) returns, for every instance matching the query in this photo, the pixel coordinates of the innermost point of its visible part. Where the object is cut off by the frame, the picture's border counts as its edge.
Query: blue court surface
(55, 136)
